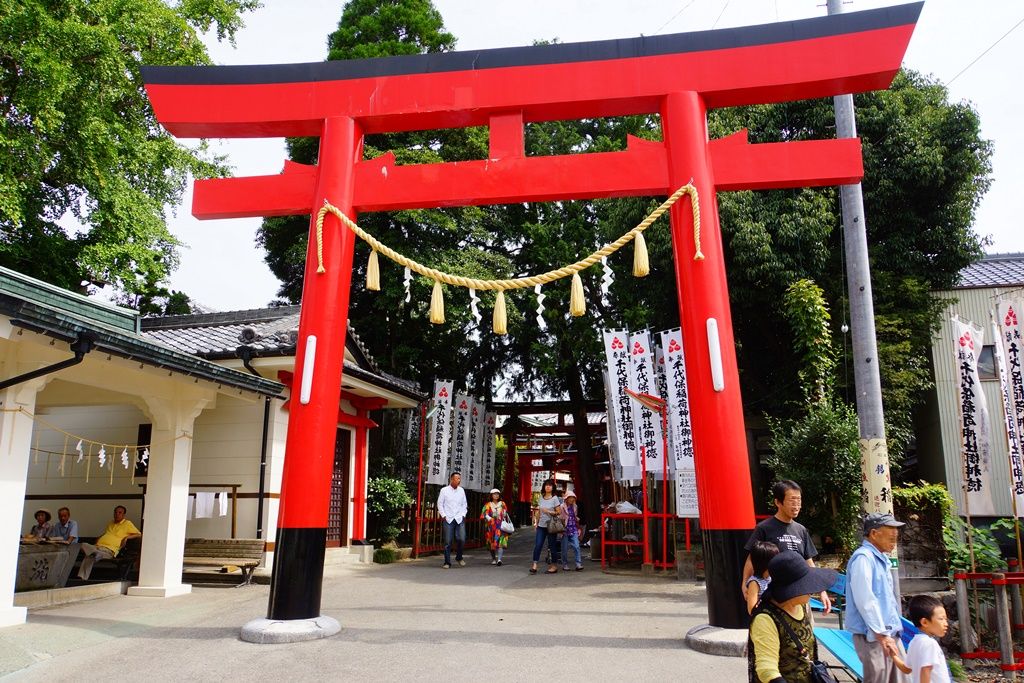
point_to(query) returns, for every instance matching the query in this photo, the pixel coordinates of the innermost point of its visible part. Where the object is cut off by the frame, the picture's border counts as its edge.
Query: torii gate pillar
(319, 357)
(719, 437)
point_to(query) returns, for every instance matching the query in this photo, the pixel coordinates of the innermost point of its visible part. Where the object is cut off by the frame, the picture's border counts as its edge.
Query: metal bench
(244, 553)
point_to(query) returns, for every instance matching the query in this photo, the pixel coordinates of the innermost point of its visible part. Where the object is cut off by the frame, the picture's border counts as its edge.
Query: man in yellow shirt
(109, 544)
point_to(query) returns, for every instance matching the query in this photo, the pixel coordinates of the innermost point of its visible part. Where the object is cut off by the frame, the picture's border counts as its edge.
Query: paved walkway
(400, 621)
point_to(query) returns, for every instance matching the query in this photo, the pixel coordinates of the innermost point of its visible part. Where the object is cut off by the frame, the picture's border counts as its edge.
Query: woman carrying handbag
(550, 508)
(494, 516)
(781, 646)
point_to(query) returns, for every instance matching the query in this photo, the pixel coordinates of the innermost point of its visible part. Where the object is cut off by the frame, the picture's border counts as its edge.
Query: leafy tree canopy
(85, 170)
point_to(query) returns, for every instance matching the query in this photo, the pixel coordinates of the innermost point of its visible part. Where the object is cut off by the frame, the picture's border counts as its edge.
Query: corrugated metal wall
(974, 305)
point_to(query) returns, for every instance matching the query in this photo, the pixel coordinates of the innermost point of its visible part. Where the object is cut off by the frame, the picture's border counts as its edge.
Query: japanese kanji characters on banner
(460, 435)
(974, 420)
(648, 422)
(474, 450)
(680, 442)
(440, 432)
(620, 375)
(1008, 359)
(489, 450)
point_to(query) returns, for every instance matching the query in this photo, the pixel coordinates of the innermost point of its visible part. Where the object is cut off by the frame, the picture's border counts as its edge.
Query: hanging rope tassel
(577, 304)
(373, 273)
(500, 319)
(641, 264)
(437, 304)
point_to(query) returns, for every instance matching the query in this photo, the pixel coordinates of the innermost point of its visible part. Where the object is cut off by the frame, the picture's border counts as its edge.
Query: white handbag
(507, 527)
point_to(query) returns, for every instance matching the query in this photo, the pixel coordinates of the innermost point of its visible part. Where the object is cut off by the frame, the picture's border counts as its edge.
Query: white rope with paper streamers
(86, 449)
(541, 323)
(474, 309)
(408, 285)
(577, 307)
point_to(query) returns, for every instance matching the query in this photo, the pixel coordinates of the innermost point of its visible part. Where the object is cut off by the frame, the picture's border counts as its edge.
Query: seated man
(109, 544)
(65, 529)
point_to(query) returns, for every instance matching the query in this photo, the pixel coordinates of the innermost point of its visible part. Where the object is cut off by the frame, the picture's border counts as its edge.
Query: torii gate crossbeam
(678, 77)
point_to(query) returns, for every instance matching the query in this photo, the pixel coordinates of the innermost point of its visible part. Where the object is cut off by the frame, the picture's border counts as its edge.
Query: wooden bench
(244, 553)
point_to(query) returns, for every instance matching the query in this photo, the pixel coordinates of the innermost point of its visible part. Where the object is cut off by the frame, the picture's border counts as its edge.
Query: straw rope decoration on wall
(577, 306)
(88, 450)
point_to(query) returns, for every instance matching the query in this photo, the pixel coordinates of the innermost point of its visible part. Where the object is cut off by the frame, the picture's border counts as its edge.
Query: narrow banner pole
(725, 498)
(297, 580)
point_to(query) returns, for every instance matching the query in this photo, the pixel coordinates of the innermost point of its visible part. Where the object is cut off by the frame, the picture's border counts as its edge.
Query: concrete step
(352, 555)
(63, 596)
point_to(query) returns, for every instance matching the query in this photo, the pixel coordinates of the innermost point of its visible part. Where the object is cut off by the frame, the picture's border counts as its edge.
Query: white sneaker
(462, 563)
(494, 562)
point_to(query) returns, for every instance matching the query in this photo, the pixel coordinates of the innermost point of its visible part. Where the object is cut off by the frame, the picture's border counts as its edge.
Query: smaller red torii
(679, 77)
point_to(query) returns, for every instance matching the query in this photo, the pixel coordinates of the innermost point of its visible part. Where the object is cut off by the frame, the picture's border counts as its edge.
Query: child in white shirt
(925, 661)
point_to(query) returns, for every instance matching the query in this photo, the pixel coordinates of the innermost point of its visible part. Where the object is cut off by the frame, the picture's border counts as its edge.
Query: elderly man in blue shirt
(872, 611)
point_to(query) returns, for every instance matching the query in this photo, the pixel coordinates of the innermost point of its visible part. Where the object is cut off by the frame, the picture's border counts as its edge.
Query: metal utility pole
(867, 380)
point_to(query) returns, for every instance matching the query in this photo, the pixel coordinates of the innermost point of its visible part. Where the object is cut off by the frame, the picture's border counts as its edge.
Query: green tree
(926, 169)
(80, 144)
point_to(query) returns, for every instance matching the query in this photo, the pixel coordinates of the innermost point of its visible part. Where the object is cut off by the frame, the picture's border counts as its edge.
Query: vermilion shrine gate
(677, 76)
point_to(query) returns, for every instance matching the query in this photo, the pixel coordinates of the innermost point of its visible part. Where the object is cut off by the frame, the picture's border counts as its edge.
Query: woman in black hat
(781, 645)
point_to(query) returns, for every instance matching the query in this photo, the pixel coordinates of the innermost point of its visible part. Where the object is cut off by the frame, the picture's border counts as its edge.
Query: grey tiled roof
(217, 335)
(270, 332)
(993, 270)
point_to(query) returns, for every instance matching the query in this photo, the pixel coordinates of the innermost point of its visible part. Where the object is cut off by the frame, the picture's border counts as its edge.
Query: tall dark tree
(80, 142)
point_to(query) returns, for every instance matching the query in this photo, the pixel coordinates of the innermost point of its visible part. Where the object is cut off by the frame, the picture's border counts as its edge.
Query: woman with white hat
(493, 514)
(571, 536)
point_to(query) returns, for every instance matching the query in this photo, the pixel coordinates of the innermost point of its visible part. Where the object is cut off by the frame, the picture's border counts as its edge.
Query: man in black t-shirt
(784, 531)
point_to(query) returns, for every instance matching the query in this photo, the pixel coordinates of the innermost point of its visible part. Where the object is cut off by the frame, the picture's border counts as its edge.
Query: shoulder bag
(555, 523)
(507, 527)
(819, 670)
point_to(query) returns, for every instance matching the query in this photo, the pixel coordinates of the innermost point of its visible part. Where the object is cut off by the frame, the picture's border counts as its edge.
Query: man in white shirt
(452, 507)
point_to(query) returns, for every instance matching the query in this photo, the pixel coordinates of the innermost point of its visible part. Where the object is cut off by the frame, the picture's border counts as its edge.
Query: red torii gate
(677, 76)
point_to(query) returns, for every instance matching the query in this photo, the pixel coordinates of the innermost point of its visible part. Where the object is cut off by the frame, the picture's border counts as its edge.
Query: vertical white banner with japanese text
(439, 433)
(474, 457)
(1008, 358)
(680, 441)
(620, 374)
(488, 448)
(648, 421)
(460, 435)
(975, 448)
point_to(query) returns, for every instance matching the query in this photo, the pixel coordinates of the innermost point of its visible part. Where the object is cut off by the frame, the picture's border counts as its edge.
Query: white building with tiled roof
(158, 414)
(981, 286)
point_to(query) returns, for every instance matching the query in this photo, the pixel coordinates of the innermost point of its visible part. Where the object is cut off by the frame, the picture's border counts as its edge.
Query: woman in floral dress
(492, 514)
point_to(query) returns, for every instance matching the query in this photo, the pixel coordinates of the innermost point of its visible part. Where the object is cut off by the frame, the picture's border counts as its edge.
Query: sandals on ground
(552, 571)
(533, 570)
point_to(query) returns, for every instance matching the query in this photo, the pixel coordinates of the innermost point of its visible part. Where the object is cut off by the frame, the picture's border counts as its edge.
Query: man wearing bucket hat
(781, 644)
(872, 611)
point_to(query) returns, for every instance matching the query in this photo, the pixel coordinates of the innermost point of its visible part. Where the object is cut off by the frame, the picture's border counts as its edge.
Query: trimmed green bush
(384, 555)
